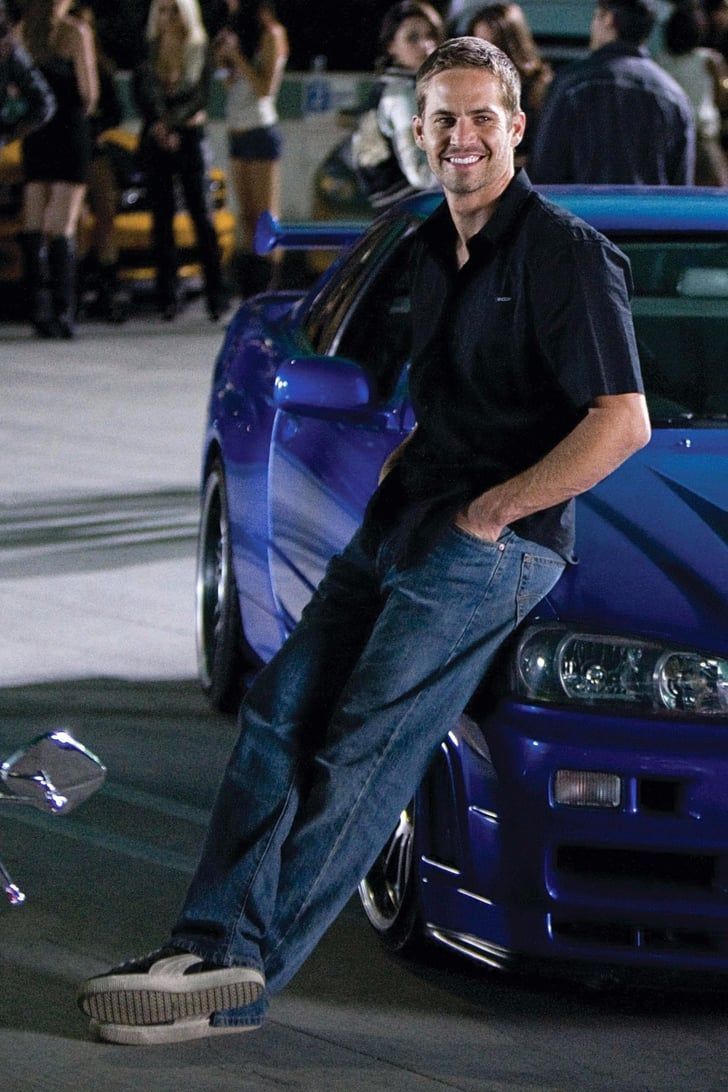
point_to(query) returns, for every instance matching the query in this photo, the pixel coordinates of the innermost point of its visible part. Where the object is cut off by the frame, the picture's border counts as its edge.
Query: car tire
(388, 891)
(223, 657)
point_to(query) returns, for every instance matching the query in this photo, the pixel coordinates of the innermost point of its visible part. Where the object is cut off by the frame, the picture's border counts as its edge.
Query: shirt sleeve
(550, 158)
(583, 320)
(395, 120)
(682, 172)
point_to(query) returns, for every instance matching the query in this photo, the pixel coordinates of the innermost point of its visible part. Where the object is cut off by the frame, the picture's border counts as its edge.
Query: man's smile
(463, 160)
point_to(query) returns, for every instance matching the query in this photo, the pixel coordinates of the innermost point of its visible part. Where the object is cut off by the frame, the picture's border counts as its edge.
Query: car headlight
(555, 664)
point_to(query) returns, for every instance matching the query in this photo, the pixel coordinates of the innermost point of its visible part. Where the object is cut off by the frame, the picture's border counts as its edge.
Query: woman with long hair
(253, 49)
(389, 163)
(505, 26)
(56, 161)
(703, 75)
(172, 88)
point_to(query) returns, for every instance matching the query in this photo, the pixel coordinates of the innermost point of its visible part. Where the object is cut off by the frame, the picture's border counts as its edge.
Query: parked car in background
(577, 812)
(133, 223)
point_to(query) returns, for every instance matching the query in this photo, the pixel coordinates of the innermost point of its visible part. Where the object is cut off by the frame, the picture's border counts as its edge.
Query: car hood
(651, 543)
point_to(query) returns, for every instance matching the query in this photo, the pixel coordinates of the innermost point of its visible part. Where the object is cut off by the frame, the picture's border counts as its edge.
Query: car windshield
(680, 309)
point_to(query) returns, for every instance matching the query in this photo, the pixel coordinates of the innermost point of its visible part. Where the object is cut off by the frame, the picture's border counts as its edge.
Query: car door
(324, 463)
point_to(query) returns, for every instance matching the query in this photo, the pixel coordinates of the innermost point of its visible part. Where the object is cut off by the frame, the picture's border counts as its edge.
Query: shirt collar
(619, 49)
(439, 233)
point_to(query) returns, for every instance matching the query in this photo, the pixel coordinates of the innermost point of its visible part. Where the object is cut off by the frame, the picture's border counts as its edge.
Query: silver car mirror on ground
(53, 773)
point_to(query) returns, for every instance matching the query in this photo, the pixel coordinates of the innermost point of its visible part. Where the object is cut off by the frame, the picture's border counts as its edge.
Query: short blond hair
(471, 53)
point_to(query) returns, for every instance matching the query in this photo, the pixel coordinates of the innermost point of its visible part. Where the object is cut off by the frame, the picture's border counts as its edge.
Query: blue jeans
(337, 732)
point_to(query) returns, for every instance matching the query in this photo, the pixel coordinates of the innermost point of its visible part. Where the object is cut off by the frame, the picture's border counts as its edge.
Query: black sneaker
(166, 996)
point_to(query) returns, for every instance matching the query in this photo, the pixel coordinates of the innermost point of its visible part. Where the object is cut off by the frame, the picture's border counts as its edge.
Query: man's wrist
(491, 507)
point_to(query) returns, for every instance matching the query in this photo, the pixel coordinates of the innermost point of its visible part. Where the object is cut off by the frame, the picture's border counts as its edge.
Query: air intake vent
(659, 795)
(680, 869)
(625, 935)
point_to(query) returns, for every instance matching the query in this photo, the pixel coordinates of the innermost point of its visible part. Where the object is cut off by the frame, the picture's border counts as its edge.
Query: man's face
(466, 131)
(602, 28)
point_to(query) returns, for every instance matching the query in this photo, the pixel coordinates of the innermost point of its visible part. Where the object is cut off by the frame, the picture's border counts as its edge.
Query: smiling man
(526, 387)
(525, 373)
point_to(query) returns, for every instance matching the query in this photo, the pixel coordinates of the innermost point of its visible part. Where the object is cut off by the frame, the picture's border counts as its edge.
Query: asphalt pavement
(98, 508)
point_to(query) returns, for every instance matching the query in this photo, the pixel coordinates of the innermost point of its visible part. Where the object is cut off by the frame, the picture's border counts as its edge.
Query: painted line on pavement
(188, 813)
(137, 850)
(101, 839)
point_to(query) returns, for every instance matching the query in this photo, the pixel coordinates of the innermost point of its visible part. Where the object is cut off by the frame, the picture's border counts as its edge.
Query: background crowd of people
(623, 114)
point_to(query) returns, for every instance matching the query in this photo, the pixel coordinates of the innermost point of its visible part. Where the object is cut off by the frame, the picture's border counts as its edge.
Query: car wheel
(222, 657)
(388, 892)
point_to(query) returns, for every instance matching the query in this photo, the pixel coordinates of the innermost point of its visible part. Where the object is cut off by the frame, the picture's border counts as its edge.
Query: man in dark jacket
(616, 117)
(26, 100)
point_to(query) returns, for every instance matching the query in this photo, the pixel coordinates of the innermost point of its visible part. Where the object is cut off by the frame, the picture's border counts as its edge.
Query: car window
(329, 307)
(680, 309)
(375, 331)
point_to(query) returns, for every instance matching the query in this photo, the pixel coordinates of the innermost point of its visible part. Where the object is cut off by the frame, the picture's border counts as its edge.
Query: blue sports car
(577, 812)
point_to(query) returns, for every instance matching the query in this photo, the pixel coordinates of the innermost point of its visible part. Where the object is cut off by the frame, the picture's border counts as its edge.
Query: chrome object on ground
(53, 773)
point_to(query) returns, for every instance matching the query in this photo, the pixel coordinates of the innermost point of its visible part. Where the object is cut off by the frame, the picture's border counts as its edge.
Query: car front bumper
(643, 884)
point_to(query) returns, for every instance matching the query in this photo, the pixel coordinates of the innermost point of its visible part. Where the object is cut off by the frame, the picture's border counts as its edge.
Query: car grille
(639, 885)
(632, 865)
(640, 937)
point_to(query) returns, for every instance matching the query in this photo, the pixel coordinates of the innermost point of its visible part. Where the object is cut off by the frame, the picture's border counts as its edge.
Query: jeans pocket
(503, 537)
(538, 576)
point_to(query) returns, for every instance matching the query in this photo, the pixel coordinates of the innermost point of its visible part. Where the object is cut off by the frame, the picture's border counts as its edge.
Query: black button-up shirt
(615, 117)
(508, 352)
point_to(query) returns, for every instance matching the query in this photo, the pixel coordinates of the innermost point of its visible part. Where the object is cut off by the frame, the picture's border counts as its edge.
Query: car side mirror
(322, 385)
(54, 773)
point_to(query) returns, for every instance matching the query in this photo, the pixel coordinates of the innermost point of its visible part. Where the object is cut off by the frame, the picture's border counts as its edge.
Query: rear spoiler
(305, 235)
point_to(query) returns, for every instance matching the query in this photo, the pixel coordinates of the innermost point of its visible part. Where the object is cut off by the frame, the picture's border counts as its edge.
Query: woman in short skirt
(253, 48)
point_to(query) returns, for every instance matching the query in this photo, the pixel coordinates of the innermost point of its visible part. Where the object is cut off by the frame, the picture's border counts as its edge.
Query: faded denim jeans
(336, 734)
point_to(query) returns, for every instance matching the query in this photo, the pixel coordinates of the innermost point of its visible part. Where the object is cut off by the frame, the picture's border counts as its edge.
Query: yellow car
(133, 221)
(11, 181)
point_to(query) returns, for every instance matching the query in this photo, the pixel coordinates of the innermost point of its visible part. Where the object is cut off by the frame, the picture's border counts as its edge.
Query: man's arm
(615, 427)
(83, 52)
(683, 167)
(550, 157)
(412, 162)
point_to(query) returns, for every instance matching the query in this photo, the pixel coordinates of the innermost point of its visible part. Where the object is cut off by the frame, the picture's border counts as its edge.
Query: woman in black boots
(100, 293)
(172, 89)
(56, 160)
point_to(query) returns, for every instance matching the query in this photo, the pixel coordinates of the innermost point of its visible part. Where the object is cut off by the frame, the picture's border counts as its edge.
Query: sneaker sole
(136, 1000)
(179, 1032)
